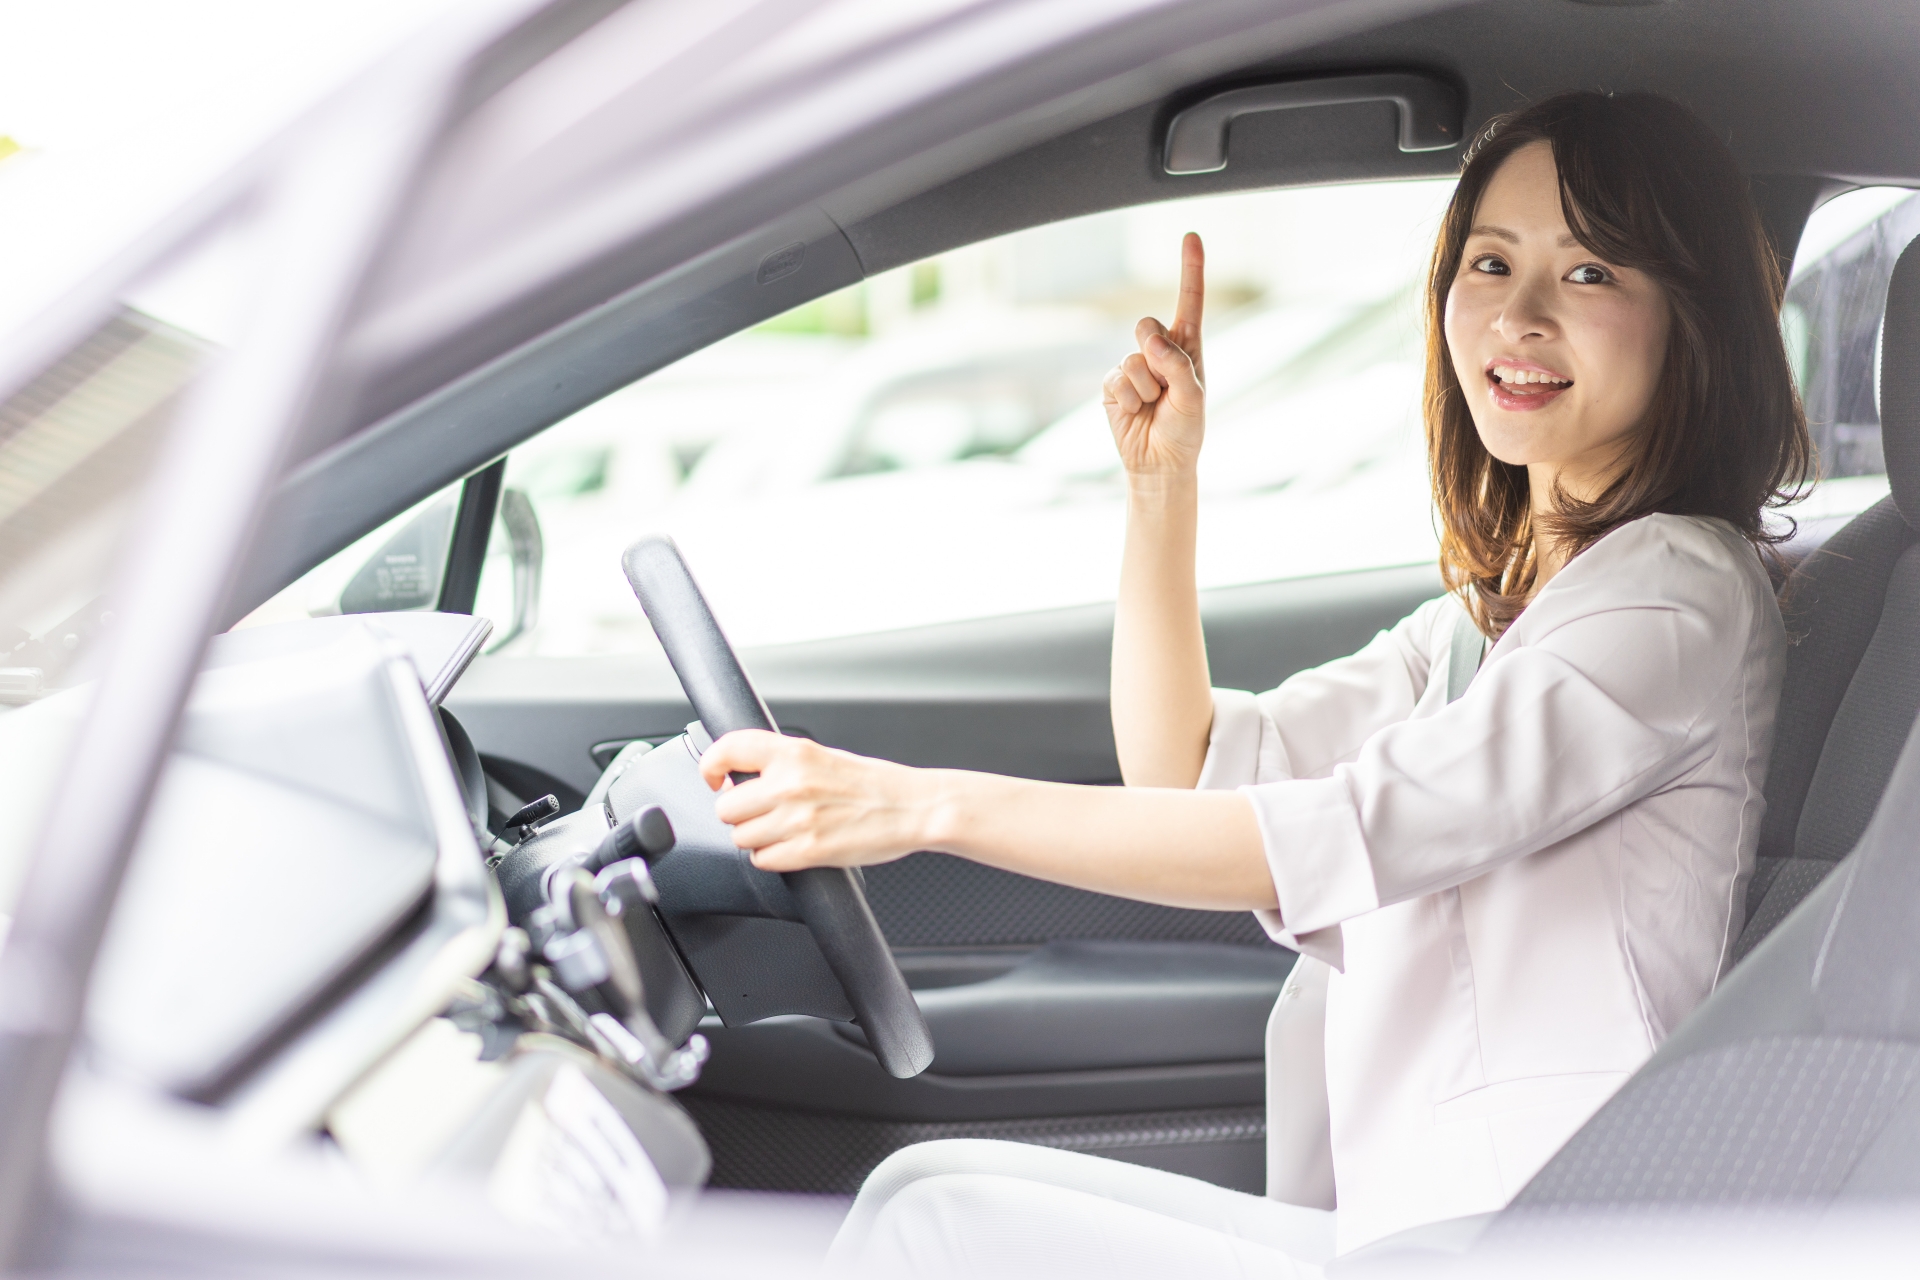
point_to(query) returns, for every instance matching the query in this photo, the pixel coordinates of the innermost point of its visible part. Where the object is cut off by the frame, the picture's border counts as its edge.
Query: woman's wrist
(1156, 491)
(948, 812)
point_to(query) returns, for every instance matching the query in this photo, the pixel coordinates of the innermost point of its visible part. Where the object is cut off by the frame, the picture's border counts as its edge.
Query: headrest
(1900, 384)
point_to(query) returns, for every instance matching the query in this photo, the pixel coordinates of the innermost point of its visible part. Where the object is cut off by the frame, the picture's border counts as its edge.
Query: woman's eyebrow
(1568, 241)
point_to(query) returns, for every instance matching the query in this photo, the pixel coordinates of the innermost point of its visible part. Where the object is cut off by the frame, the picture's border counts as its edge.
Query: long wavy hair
(1643, 184)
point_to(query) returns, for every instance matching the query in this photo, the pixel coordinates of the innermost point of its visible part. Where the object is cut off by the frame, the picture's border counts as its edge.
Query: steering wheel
(831, 902)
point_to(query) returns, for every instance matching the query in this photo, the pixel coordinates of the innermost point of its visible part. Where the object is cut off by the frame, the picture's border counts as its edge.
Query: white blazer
(1522, 892)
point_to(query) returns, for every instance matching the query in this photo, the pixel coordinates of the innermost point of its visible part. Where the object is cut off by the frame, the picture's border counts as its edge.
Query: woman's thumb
(1172, 365)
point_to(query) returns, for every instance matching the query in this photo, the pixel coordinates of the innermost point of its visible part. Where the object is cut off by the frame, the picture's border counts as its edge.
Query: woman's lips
(1523, 397)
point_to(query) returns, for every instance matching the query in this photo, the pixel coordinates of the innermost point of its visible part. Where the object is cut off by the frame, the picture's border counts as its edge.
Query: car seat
(1795, 1081)
(1852, 685)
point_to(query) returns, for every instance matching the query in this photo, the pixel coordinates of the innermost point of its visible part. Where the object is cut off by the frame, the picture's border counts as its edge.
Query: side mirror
(527, 550)
(407, 570)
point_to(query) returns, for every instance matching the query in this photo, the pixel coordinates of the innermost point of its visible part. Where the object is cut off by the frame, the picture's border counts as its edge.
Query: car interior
(536, 827)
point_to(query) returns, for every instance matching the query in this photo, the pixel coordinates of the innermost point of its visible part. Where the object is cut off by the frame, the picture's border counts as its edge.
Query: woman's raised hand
(1156, 398)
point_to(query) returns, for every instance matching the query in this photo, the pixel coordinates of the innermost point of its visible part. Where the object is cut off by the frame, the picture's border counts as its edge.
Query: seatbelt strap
(1464, 656)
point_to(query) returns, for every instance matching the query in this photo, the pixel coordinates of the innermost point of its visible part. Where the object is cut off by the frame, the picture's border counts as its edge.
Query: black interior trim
(472, 526)
(527, 782)
(937, 901)
(803, 1064)
(1099, 1005)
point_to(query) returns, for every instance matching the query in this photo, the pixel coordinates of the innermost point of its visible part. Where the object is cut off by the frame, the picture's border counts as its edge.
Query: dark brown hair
(1643, 184)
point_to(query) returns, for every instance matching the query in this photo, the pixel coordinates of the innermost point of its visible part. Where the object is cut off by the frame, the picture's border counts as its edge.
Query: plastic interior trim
(1429, 110)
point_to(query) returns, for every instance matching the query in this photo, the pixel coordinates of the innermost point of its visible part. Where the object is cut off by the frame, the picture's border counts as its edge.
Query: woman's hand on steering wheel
(814, 806)
(1156, 398)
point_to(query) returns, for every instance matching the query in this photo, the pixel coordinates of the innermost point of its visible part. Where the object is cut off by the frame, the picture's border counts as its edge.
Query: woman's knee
(931, 1159)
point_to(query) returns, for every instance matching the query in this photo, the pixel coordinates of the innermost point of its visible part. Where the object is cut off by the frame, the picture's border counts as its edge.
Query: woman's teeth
(1511, 376)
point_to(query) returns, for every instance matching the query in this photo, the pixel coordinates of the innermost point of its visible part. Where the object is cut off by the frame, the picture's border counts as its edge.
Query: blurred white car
(1313, 411)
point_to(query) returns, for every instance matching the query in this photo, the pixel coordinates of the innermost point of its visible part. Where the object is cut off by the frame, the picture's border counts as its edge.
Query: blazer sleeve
(1600, 707)
(1322, 716)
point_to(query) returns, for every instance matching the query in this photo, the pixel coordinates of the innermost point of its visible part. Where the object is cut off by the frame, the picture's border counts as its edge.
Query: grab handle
(1430, 113)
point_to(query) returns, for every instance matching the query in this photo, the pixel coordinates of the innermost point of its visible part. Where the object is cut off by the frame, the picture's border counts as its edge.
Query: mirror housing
(409, 570)
(527, 550)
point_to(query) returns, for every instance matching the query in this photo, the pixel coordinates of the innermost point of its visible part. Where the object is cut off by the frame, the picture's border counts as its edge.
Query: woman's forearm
(1162, 705)
(814, 806)
(1180, 848)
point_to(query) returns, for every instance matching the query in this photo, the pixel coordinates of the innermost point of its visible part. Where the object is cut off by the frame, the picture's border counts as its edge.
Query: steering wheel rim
(832, 904)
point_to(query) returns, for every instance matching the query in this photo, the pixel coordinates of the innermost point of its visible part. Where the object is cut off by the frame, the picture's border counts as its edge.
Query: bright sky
(122, 109)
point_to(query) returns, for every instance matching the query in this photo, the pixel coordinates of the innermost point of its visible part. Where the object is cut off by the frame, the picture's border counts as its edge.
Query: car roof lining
(1804, 112)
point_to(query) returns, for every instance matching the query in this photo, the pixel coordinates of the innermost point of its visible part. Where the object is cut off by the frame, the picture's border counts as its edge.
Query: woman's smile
(1523, 386)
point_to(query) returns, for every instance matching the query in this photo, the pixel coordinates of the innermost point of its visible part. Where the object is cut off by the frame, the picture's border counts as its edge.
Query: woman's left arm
(815, 806)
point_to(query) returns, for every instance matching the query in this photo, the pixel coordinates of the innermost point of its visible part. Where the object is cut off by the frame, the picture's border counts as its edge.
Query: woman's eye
(1588, 274)
(1491, 265)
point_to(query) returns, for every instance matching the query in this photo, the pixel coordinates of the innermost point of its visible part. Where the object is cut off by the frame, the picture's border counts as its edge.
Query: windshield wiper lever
(528, 817)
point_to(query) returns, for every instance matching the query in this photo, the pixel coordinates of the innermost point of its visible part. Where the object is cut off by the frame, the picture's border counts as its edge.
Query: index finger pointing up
(1193, 290)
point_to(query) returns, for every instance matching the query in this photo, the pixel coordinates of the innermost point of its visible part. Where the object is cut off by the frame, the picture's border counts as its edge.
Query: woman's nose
(1526, 313)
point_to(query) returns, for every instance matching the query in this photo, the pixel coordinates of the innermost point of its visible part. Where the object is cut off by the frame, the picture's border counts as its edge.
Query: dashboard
(309, 889)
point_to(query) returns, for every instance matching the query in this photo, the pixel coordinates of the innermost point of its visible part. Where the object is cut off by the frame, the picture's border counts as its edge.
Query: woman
(1505, 895)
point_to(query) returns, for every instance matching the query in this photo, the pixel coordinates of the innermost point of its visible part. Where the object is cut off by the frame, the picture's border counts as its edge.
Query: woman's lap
(975, 1206)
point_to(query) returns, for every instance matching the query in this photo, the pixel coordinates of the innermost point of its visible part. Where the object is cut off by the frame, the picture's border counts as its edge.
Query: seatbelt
(1464, 656)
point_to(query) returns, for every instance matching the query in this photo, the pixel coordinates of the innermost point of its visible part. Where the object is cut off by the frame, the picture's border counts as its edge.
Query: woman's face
(1557, 351)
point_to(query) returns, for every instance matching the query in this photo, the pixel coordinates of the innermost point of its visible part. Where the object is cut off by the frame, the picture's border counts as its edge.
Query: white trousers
(972, 1207)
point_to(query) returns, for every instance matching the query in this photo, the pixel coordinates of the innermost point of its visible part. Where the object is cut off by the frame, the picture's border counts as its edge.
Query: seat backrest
(1852, 683)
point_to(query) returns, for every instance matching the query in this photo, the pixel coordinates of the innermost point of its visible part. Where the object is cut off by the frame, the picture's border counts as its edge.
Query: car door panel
(804, 1064)
(934, 900)
(792, 1105)
(1088, 1006)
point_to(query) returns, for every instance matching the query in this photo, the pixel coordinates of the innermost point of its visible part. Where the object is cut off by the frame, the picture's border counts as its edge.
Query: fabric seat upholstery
(1852, 682)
